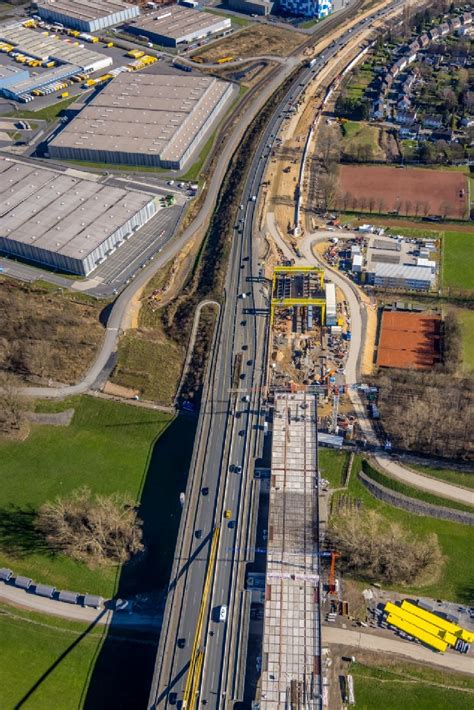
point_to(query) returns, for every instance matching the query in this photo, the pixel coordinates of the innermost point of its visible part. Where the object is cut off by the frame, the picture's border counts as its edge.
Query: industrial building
(150, 119)
(178, 25)
(307, 8)
(87, 15)
(404, 276)
(63, 221)
(251, 7)
(9, 76)
(70, 58)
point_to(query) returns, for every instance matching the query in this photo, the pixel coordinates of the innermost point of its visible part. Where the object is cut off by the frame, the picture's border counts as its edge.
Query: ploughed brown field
(408, 340)
(405, 191)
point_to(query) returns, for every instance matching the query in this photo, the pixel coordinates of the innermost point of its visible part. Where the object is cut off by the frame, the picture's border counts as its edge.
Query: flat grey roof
(7, 71)
(62, 213)
(404, 271)
(177, 21)
(85, 9)
(151, 114)
(43, 47)
(5, 574)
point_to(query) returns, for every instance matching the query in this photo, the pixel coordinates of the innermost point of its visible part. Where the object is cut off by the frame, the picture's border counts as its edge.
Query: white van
(223, 613)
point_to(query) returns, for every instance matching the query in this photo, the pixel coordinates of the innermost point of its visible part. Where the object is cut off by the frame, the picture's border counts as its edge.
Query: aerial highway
(222, 467)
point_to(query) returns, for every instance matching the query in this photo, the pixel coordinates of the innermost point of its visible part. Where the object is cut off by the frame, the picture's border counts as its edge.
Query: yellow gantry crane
(191, 688)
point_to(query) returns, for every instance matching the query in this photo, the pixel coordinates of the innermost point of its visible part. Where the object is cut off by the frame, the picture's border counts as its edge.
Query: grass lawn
(361, 140)
(332, 465)
(150, 362)
(48, 663)
(458, 260)
(466, 319)
(49, 113)
(107, 447)
(411, 686)
(459, 478)
(456, 542)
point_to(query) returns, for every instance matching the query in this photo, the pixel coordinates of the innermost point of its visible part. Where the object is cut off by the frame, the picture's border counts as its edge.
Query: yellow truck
(135, 53)
(65, 94)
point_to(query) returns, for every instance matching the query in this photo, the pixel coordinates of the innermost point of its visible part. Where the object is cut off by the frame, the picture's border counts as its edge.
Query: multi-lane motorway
(225, 441)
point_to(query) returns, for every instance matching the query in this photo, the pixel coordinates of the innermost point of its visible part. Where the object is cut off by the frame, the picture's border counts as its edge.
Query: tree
(12, 404)
(97, 530)
(381, 550)
(328, 189)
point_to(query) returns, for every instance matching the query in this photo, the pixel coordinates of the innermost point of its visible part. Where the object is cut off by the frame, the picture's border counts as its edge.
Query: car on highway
(237, 469)
(243, 322)
(181, 643)
(231, 524)
(227, 514)
(198, 534)
(205, 491)
(223, 613)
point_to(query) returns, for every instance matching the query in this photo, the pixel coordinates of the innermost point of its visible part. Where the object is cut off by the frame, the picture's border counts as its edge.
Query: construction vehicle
(64, 95)
(223, 60)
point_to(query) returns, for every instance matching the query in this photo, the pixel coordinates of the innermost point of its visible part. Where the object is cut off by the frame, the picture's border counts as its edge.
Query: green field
(361, 141)
(466, 319)
(456, 542)
(332, 465)
(458, 260)
(411, 686)
(109, 448)
(459, 478)
(49, 663)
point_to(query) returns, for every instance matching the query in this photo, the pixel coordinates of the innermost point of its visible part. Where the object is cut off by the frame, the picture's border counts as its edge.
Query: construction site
(310, 341)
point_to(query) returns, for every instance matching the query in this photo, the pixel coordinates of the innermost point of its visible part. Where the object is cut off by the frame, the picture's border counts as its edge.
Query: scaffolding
(311, 292)
(291, 645)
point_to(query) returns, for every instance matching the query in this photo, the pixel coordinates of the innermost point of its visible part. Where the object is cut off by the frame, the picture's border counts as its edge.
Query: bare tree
(12, 404)
(97, 530)
(382, 550)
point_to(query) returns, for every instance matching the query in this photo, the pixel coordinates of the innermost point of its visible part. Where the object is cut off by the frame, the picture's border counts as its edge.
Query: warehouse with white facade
(177, 25)
(402, 276)
(64, 221)
(147, 119)
(87, 15)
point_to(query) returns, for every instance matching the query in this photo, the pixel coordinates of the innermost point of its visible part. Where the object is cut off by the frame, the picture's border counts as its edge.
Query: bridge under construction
(291, 668)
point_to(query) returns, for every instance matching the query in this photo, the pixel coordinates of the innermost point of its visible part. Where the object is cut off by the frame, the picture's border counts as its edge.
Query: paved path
(427, 483)
(18, 597)
(371, 642)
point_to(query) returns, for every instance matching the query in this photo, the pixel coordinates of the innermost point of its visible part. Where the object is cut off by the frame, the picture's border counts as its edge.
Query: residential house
(403, 103)
(408, 133)
(434, 33)
(424, 40)
(454, 23)
(405, 118)
(377, 111)
(466, 19)
(433, 121)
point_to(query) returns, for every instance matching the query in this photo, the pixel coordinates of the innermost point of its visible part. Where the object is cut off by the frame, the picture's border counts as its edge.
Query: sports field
(404, 191)
(408, 340)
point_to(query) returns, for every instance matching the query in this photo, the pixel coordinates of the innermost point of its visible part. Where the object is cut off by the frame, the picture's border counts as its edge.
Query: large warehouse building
(87, 15)
(150, 119)
(63, 221)
(177, 25)
(71, 59)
